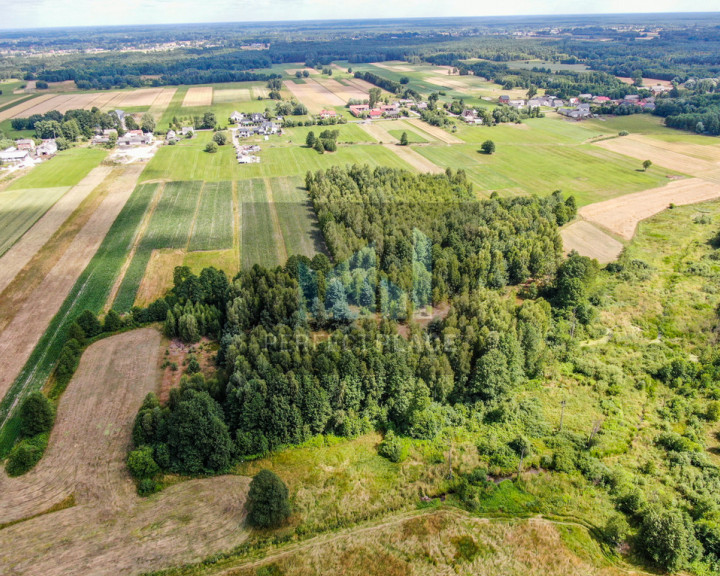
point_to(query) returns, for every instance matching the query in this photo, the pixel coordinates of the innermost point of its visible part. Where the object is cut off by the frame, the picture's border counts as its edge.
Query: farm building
(135, 138)
(359, 109)
(470, 117)
(171, 136)
(325, 114)
(47, 148)
(236, 117)
(14, 156)
(25, 144)
(504, 99)
(185, 130)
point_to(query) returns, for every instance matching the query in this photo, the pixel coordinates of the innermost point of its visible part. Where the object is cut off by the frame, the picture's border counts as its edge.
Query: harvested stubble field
(80, 279)
(588, 240)
(21, 109)
(231, 95)
(110, 530)
(198, 96)
(314, 95)
(621, 215)
(347, 91)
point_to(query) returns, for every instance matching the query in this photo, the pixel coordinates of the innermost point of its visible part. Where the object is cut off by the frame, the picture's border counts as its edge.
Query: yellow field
(198, 96)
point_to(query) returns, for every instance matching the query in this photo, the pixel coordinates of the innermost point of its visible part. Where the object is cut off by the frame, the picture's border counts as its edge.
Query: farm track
(111, 530)
(21, 335)
(17, 257)
(434, 131)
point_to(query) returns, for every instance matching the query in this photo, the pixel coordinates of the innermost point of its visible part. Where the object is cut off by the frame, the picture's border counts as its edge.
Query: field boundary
(277, 229)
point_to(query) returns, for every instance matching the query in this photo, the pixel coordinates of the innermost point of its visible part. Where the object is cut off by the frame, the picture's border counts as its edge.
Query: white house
(135, 138)
(14, 156)
(47, 148)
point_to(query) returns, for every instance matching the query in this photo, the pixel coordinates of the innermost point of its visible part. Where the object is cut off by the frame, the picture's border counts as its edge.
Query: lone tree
(220, 138)
(268, 505)
(310, 139)
(36, 415)
(488, 147)
(647, 165)
(404, 139)
(211, 147)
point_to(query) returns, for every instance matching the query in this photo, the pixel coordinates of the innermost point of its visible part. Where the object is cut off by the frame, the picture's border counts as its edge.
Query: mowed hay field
(20, 209)
(314, 94)
(109, 529)
(68, 168)
(153, 98)
(591, 241)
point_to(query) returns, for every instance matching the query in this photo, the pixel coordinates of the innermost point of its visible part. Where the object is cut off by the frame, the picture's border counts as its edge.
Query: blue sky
(42, 13)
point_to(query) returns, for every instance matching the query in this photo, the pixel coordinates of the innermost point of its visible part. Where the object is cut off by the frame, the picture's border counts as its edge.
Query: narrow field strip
(417, 161)
(21, 109)
(136, 242)
(169, 227)
(300, 229)
(378, 132)
(589, 240)
(258, 241)
(33, 338)
(278, 238)
(434, 131)
(237, 225)
(213, 228)
(45, 222)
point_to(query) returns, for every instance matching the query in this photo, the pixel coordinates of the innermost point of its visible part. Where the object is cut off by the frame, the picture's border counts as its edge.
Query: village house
(504, 99)
(236, 117)
(359, 109)
(325, 114)
(25, 144)
(135, 138)
(375, 113)
(517, 103)
(171, 136)
(103, 136)
(601, 99)
(185, 130)
(47, 148)
(580, 112)
(421, 105)
(585, 96)
(469, 116)
(244, 132)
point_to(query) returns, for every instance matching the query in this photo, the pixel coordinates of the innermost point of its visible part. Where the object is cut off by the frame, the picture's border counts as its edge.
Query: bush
(211, 147)
(564, 459)
(147, 486)
(267, 503)
(141, 464)
(488, 147)
(616, 530)
(666, 537)
(89, 323)
(26, 454)
(393, 448)
(113, 322)
(220, 138)
(37, 415)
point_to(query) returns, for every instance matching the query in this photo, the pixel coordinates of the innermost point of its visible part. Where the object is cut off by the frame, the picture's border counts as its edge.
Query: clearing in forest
(109, 529)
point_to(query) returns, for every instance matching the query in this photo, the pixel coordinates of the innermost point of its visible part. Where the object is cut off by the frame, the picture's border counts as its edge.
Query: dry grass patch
(111, 530)
(198, 96)
(21, 109)
(621, 215)
(378, 132)
(417, 161)
(158, 278)
(162, 102)
(675, 156)
(345, 93)
(394, 66)
(590, 241)
(441, 543)
(142, 97)
(231, 95)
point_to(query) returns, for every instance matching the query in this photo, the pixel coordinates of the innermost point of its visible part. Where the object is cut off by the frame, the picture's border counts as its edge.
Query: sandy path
(434, 131)
(621, 215)
(26, 328)
(590, 241)
(111, 530)
(417, 161)
(24, 249)
(19, 110)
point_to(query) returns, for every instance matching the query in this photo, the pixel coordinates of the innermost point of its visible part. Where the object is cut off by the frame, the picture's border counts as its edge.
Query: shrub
(563, 459)
(26, 454)
(666, 537)
(220, 138)
(616, 529)
(147, 486)
(193, 366)
(488, 147)
(211, 147)
(89, 323)
(113, 322)
(141, 464)
(393, 448)
(267, 502)
(37, 415)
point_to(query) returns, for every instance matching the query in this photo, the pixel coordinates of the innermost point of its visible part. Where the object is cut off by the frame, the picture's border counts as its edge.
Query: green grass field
(258, 238)
(7, 87)
(189, 161)
(349, 133)
(20, 209)
(65, 169)
(90, 292)
(413, 137)
(301, 233)
(169, 227)
(213, 228)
